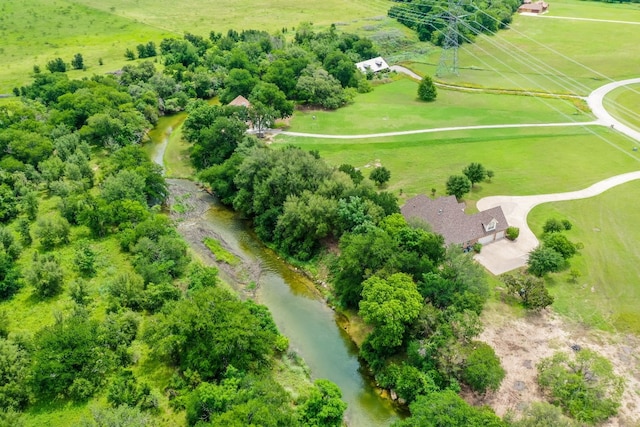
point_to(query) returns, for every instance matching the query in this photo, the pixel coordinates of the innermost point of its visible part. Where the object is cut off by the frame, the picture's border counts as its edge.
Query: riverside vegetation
(71, 165)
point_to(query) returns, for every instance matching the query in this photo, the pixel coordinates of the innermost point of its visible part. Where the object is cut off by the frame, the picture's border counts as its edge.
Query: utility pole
(449, 57)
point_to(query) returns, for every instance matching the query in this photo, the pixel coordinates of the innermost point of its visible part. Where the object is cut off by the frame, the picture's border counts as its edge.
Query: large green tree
(458, 185)
(475, 172)
(543, 260)
(209, 331)
(324, 407)
(390, 305)
(69, 360)
(380, 175)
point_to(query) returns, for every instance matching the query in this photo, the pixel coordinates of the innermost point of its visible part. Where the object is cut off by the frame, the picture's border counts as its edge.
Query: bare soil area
(522, 342)
(189, 204)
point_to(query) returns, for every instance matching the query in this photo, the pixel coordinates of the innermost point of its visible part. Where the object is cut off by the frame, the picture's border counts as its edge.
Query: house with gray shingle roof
(446, 217)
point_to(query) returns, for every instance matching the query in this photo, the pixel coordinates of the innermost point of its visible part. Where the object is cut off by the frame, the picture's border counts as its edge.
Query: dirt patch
(188, 204)
(522, 342)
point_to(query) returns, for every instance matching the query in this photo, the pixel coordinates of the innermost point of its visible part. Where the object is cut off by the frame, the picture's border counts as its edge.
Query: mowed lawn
(554, 55)
(525, 161)
(607, 293)
(624, 104)
(395, 107)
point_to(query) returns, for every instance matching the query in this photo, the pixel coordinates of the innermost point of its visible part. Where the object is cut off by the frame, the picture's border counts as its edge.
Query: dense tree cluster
(295, 199)
(316, 68)
(429, 18)
(80, 209)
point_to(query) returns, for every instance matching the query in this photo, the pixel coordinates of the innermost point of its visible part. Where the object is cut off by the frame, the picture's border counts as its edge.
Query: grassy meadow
(607, 293)
(395, 107)
(34, 32)
(202, 16)
(555, 55)
(525, 161)
(623, 103)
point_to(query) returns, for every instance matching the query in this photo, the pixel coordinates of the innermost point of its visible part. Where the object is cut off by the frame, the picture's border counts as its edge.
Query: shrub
(530, 289)
(482, 369)
(512, 233)
(477, 247)
(584, 385)
(46, 275)
(553, 225)
(52, 231)
(427, 90)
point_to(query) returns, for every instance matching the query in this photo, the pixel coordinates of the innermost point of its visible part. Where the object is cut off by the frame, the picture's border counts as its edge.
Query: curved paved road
(503, 256)
(595, 101)
(432, 130)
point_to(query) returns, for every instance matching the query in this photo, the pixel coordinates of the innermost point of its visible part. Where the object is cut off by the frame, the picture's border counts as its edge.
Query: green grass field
(623, 103)
(525, 161)
(521, 58)
(395, 107)
(34, 32)
(202, 16)
(607, 294)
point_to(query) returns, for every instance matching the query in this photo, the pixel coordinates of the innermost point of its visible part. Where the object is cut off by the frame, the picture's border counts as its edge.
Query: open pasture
(525, 161)
(607, 293)
(553, 55)
(202, 16)
(624, 104)
(33, 32)
(395, 107)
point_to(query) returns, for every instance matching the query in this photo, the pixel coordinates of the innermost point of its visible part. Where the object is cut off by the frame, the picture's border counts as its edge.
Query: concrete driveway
(504, 255)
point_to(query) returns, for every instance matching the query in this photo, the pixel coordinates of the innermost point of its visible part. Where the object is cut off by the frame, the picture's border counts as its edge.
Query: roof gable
(240, 101)
(446, 217)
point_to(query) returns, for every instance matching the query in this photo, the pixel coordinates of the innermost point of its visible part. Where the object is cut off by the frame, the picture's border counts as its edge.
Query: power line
(449, 57)
(534, 63)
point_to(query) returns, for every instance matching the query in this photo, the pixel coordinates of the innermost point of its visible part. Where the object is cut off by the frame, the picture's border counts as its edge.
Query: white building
(374, 65)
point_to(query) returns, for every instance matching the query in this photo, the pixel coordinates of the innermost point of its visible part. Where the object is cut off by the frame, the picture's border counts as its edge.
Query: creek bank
(298, 310)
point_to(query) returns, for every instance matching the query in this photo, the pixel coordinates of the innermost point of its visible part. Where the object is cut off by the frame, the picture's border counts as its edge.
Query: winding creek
(299, 312)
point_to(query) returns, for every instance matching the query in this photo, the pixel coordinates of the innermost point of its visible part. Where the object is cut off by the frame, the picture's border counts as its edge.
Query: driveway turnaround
(504, 255)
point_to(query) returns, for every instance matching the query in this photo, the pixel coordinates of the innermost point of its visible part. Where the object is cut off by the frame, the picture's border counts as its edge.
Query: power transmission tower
(449, 57)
